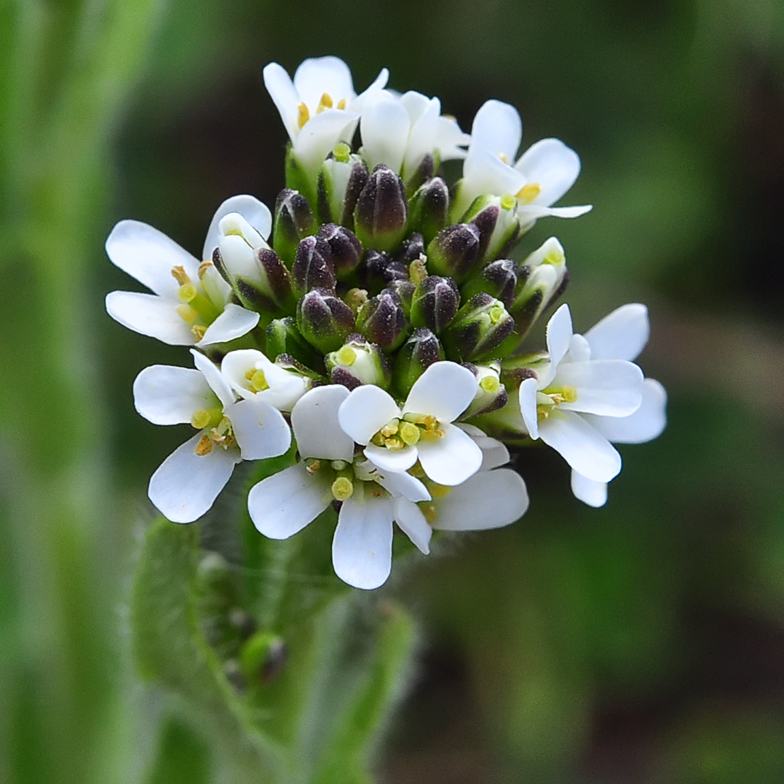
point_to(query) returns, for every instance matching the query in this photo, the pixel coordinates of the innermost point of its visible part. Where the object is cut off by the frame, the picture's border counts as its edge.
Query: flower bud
(490, 392)
(498, 224)
(416, 355)
(381, 214)
(424, 171)
(377, 270)
(344, 246)
(358, 362)
(382, 320)
(341, 180)
(430, 208)
(479, 328)
(453, 251)
(241, 267)
(411, 249)
(283, 338)
(499, 279)
(293, 221)
(262, 658)
(324, 320)
(435, 303)
(405, 290)
(313, 267)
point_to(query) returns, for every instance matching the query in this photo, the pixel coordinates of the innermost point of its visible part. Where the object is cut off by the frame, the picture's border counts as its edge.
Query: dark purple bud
(381, 214)
(411, 249)
(313, 267)
(453, 251)
(435, 303)
(479, 328)
(340, 183)
(324, 320)
(293, 221)
(499, 279)
(430, 208)
(420, 351)
(382, 320)
(344, 246)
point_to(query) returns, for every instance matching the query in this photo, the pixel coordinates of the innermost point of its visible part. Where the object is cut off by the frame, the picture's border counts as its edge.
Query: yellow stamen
(198, 331)
(490, 384)
(201, 418)
(496, 312)
(187, 292)
(417, 271)
(508, 201)
(529, 192)
(179, 274)
(342, 151)
(342, 103)
(342, 488)
(503, 157)
(409, 433)
(203, 267)
(257, 380)
(187, 313)
(312, 466)
(204, 447)
(347, 356)
(394, 443)
(356, 298)
(390, 429)
(324, 103)
(303, 114)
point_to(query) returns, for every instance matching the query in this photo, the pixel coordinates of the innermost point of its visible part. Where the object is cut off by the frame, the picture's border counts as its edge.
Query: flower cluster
(373, 326)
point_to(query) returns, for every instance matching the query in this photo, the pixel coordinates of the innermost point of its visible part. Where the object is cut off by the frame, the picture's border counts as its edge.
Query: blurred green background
(643, 642)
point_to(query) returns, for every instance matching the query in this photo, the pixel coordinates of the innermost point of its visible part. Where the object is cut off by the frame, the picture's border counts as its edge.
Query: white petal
(400, 483)
(318, 75)
(451, 459)
(151, 315)
(620, 335)
(186, 485)
(484, 173)
(394, 460)
(444, 390)
(166, 395)
(215, 287)
(362, 547)
(320, 134)
(494, 453)
(284, 96)
(645, 424)
(559, 335)
(236, 364)
(489, 499)
(284, 503)
(529, 213)
(365, 411)
(552, 166)
(255, 212)
(498, 129)
(413, 524)
(422, 138)
(234, 322)
(581, 445)
(214, 378)
(589, 492)
(527, 394)
(579, 350)
(149, 256)
(316, 426)
(607, 387)
(260, 430)
(450, 140)
(379, 83)
(384, 128)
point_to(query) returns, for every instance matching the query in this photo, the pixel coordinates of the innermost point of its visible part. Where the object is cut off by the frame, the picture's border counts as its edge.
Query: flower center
(325, 102)
(529, 192)
(346, 480)
(548, 401)
(195, 307)
(257, 381)
(408, 431)
(217, 430)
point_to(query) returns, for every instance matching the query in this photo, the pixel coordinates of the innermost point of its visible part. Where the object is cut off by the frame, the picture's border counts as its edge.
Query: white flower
(571, 390)
(190, 304)
(187, 483)
(319, 108)
(399, 130)
(395, 438)
(541, 176)
(283, 504)
(621, 335)
(252, 375)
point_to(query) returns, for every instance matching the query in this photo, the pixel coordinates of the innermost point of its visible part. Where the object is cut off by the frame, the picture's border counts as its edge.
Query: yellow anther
(430, 512)
(395, 443)
(187, 313)
(409, 433)
(342, 103)
(325, 102)
(180, 275)
(390, 429)
(312, 466)
(198, 331)
(429, 434)
(347, 356)
(569, 394)
(203, 267)
(496, 312)
(342, 151)
(542, 412)
(204, 447)
(201, 418)
(490, 384)
(417, 271)
(223, 434)
(342, 488)
(529, 192)
(503, 156)
(356, 298)
(303, 114)
(187, 292)
(438, 491)
(258, 381)
(508, 201)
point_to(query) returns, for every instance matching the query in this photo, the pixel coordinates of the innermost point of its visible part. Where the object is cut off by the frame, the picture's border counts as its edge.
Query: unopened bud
(453, 251)
(293, 221)
(435, 303)
(421, 173)
(346, 249)
(479, 328)
(405, 290)
(239, 265)
(411, 249)
(324, 320)
(283, 337)
(490, 392)
(499, 279)
(339, 186)
(430, 208)
(377, 270)
(381, 214)
(358, 362)
(313, 267)
(498, 224)
(416, 355)
(382, 320)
